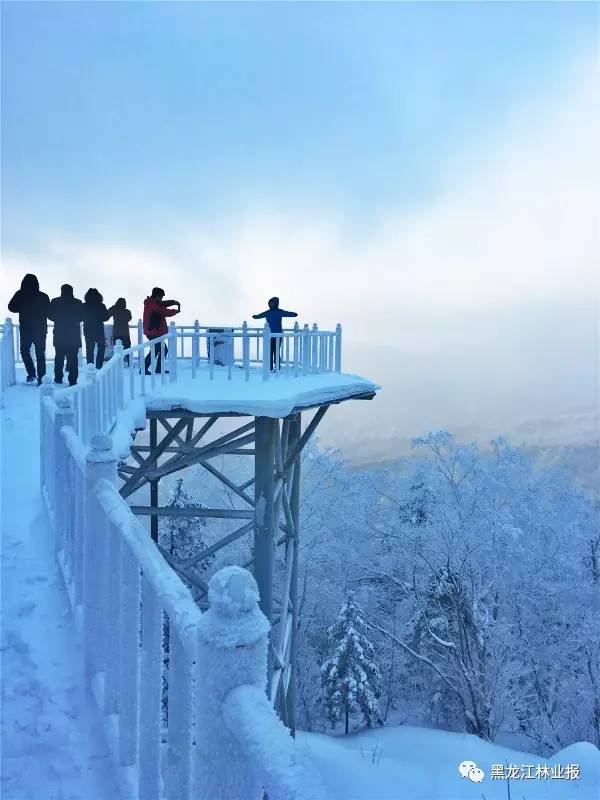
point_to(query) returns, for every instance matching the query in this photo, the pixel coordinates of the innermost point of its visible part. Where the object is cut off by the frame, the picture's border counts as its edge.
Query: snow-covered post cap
(232, 653)
(234, 618)
(64, 404)
(90, 372)
(101, 449)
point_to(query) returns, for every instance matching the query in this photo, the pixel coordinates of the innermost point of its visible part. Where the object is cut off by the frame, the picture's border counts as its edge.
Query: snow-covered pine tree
(183, 536)
(350, 676)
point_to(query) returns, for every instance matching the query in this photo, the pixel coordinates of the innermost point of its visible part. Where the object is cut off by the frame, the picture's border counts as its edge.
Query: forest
(460, 593)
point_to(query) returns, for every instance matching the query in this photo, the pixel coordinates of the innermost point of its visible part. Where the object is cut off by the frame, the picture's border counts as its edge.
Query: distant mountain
(567, 441)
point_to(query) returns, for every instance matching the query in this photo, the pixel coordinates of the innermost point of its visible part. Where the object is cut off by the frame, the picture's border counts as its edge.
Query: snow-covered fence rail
(7, 355)
(299, 351)
(215, 734)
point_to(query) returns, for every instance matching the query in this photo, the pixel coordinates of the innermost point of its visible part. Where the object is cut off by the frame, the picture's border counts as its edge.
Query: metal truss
(272, 513)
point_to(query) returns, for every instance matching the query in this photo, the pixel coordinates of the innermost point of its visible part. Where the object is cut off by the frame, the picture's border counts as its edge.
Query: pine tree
(350, 676)
(183, 536)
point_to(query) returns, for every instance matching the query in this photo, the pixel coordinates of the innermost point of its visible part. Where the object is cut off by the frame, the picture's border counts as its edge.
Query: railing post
(92, 406)
(140, 340)
(172, 338)
(296, 348)
(306, 350)
(195, 347)
(314, 340)
(64, 415)
(246, 350)
(46, 390)
(232, 652)
(338, 348)
(9, 334)
(266, 355)
(120, 377)
(101, 463)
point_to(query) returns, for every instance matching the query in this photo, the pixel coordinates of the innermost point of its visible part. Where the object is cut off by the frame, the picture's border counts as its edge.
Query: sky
(423, 173)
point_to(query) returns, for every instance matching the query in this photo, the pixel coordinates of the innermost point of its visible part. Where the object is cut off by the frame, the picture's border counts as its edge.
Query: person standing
(274, 315)
(121, 318)
(66, 312)
(94, 317)
(156, 309)
(32, 306)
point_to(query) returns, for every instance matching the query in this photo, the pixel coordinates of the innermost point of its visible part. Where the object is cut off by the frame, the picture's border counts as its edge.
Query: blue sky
(121, 117)
(424, 173)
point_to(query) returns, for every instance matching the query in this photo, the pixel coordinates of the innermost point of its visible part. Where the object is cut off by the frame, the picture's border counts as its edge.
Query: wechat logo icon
(470, 770)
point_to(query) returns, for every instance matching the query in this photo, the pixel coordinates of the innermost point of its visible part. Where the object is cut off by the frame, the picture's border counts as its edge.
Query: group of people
(67, 312)
(35, 308)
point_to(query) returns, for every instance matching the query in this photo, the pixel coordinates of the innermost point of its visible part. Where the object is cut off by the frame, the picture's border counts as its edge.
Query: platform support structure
(267, 505)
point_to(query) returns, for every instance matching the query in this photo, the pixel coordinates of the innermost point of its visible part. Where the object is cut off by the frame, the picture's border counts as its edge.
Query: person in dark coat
(94, 317)
(32, 306)
(121, 318)
(66, 312)
(156, 309)
(274, 315)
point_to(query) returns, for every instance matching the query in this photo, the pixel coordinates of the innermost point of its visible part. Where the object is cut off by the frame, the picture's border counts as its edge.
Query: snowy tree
(182, 537)
(350, 676)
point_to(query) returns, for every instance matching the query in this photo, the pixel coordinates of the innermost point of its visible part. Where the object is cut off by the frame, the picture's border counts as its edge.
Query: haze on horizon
(425, 174)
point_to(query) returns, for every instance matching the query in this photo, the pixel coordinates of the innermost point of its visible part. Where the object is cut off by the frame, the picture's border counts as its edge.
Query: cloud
(513, 229)
(498, 270)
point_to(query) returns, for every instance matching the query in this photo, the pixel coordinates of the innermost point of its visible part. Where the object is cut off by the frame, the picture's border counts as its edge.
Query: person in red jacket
(156, 310)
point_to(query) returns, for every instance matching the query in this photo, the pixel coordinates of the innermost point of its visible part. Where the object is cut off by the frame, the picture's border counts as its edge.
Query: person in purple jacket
(274, 315)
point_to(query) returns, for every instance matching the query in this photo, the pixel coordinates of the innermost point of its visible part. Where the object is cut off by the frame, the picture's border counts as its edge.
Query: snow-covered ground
(420, 764)
(52, 748)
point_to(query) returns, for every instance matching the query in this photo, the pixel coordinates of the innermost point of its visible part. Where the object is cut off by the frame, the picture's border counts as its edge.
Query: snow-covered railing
(214, 733)
(300, 351)
(7, 355)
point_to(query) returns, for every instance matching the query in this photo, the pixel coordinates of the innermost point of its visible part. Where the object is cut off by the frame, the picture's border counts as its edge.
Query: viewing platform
(240, 371)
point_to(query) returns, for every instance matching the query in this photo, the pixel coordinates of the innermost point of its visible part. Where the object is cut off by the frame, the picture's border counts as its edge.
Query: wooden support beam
(214, 548)
(197, 456)
(229, 483)
(310, 429)
(156, 450)
(191, 512)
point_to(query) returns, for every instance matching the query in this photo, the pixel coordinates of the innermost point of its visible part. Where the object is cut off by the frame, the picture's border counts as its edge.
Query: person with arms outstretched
(66, 312)
(274, 315)
(94, 317)
(32, 306)
(156, 309)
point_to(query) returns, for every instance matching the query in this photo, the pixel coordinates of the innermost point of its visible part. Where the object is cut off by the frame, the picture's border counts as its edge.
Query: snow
(277, 397)
(52, 747)
(423, 764)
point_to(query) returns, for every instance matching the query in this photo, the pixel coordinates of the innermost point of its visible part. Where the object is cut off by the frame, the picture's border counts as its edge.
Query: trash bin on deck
(223, 355)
